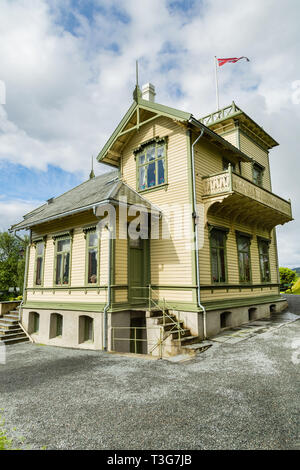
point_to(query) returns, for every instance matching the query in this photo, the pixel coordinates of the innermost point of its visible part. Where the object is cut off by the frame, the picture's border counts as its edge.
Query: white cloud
(13, 210)
(65, 93)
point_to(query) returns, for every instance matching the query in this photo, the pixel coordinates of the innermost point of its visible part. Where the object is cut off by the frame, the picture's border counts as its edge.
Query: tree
(287, 276)
(12, 261)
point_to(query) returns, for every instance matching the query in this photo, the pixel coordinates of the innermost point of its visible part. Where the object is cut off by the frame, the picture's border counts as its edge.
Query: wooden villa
(156, 294)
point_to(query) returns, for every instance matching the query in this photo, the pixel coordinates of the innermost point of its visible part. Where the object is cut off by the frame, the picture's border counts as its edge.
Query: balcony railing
(229, 182)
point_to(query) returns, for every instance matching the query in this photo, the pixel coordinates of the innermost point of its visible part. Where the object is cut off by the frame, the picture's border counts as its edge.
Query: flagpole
(217, 85)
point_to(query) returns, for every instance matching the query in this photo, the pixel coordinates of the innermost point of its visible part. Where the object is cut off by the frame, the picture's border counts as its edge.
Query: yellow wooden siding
(259, 155)
(232, 259)
(171, 261)
(231, 137)
(78, 259)
(208, 161)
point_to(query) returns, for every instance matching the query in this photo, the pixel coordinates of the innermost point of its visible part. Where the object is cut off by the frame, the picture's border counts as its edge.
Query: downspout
(25, 280)
(105, 314)
(25, 272)
(195, 217)
(105, 310)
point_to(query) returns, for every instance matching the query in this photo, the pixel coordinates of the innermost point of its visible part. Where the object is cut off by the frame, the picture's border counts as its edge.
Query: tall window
(218, 255)
(264, 261)
(257, 172)
(151, 165)
(62, 268)
(39, 263)
(92, 257)
(243, 246)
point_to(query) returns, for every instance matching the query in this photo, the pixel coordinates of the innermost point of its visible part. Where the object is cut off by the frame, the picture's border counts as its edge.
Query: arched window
(34, 322)
(56, 325)
(225, 319)
(86, 329)
(252, 313)
(273, 308)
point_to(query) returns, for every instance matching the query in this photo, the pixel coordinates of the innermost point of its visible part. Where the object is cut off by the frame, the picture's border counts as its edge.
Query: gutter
(195, 217)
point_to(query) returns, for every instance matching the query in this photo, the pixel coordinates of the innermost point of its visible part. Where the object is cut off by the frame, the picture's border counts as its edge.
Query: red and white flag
(231, 60)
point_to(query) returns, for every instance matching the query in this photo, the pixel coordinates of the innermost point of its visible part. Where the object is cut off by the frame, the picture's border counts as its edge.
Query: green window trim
(244, 278)
(57, 239)
(263, 245)
(218, 254)
(151, 164)
(39, 262)
(88, 233)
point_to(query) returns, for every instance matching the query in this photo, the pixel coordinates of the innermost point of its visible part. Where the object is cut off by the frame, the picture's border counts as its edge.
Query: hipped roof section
(142, 112)
(233, 112)
(107, 188)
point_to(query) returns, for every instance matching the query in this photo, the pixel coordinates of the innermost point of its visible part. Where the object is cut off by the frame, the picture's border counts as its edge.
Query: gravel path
(233, 396)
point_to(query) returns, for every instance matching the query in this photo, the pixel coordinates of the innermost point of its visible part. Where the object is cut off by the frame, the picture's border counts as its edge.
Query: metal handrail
(176, 324)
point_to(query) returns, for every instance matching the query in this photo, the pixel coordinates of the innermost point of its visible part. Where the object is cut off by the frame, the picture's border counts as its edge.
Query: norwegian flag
(231, 60)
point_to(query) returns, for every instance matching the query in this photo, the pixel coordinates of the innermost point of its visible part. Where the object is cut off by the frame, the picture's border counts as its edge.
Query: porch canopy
(100, 190)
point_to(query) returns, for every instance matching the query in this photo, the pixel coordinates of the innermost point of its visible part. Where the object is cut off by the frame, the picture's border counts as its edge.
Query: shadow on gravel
(31, 375)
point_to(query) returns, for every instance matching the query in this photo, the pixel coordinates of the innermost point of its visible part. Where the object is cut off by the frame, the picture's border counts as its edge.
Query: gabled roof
(234, 112)
(106, 188)
(143, 111)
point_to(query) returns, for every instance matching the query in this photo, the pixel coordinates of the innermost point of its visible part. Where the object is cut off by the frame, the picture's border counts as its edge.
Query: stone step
(8, 321)
(14, 312)
(168, 320)
(22, 339)
(188, 340)
(183, 334)
(18, 334)
(7, 325)
(9, 331)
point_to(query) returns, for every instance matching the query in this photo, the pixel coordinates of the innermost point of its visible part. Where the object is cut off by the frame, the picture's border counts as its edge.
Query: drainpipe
(195, 216)
(105, 314)
(25, 272)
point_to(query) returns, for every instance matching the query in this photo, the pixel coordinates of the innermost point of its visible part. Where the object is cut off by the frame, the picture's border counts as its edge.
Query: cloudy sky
(68, 67)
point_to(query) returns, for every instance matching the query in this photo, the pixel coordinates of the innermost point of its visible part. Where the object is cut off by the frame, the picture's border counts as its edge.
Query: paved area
(240, 333)
(232, 396)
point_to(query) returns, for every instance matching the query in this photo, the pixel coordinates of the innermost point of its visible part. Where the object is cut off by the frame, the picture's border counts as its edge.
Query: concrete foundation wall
(236, 316)
(72, 325)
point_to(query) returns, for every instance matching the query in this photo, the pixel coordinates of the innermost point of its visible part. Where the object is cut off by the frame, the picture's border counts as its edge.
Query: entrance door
(138, 270)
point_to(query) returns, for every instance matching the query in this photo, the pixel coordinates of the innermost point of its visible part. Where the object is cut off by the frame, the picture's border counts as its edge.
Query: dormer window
(151, 164)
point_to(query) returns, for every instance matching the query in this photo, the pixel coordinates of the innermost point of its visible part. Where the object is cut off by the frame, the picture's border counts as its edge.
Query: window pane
(160, 151)
(142, 159)
(222, 277)
(63, 245)
(92, 266)
(214, 265)
(66, 268)
(40, 249)
(150, 153)
(151, 175)
(161, 171)
(93, 239)
(39, 268)
(58, 269)
(142, 178)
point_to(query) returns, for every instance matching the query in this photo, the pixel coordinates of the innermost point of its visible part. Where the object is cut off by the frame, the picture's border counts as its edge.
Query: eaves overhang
(219, 140)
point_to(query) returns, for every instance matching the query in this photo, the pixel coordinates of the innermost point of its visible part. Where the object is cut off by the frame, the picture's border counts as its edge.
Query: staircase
(176, 339)
(10, 330)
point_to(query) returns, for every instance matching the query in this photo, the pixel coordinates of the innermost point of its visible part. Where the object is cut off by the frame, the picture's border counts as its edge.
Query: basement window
(225, 319)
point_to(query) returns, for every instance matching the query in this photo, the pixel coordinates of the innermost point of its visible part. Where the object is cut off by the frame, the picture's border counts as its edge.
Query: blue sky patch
(19, 182)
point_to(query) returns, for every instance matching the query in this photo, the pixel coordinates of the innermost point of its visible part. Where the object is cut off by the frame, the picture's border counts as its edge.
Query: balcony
(231, 195)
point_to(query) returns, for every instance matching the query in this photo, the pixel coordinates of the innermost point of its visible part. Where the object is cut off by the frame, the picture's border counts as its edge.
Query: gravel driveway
(233, 396)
